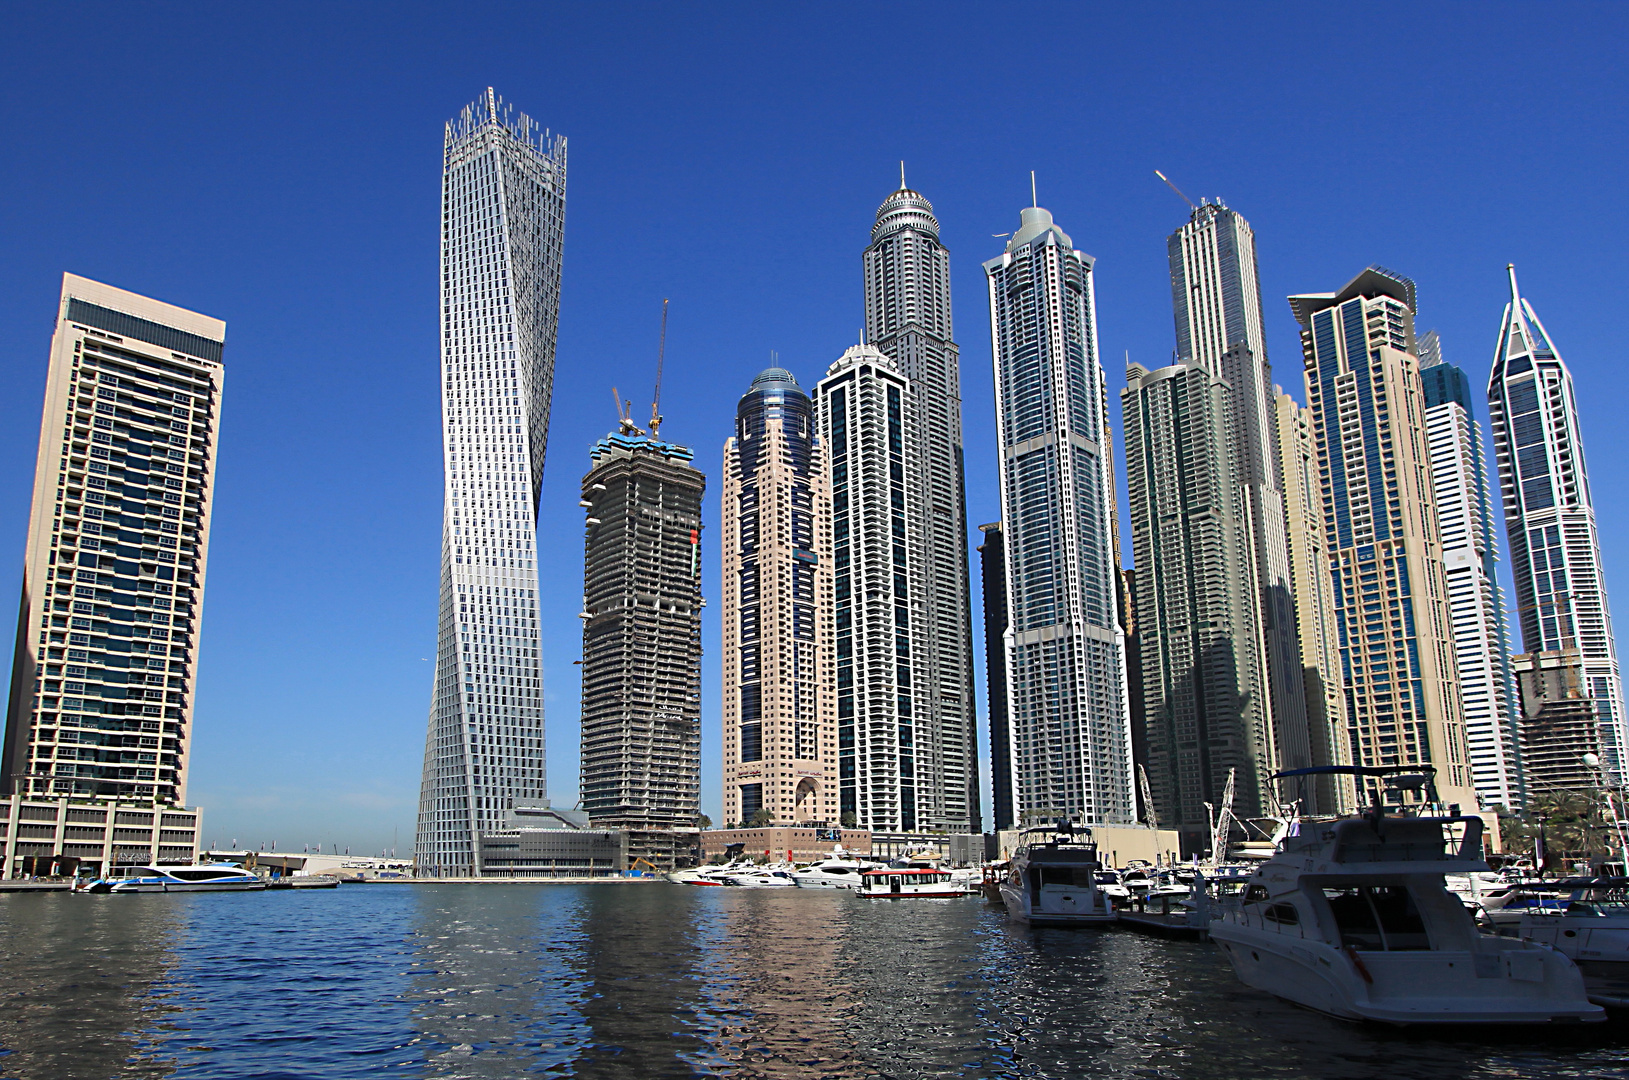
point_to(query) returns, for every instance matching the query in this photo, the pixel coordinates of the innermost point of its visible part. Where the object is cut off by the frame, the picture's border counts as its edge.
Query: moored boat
(1052, 879)
(1351, 917)
(907, 883)
(1592, 931)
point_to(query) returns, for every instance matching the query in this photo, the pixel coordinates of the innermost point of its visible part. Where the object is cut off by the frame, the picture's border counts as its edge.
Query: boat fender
(1357, 962)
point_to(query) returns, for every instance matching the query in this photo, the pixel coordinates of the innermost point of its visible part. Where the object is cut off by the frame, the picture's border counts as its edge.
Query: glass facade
(502, 224)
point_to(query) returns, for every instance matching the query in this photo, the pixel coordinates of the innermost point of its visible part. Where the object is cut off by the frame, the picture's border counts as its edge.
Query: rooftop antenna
(1176, 189)
(1033, 201)
(656, 398)
(902, 186)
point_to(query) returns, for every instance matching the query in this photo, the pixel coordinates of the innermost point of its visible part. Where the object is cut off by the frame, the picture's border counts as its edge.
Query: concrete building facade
(1069, 727)
(1318, 628)
(778, 687)
(641, 679)
(1206, 709)
(1384, 546)
(105, 661)
(1216, 302)
(502, 225)
(1555, 550)
(1470, 555)
(891, 761)
(907, 317)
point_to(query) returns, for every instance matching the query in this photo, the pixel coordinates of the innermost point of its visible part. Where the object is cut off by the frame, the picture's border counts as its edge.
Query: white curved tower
(503, 200)
(1555, 549)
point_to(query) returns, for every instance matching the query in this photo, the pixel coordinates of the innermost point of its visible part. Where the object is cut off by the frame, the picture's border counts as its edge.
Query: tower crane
(656, 398)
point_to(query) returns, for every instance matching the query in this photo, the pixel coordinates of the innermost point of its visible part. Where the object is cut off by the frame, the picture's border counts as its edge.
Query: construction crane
(1176, 189)
(1150, 818)
(625, 415)
(656, 398)
(1222, 822)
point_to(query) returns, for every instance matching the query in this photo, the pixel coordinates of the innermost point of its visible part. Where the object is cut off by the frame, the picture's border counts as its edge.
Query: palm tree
(761, 819)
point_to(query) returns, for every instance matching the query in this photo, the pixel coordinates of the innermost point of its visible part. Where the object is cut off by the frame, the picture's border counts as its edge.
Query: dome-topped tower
(904, 209)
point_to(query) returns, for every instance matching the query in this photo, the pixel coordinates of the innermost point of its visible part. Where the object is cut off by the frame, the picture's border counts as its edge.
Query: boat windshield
(1078, 877)
(1612, 901)
(1377, 918)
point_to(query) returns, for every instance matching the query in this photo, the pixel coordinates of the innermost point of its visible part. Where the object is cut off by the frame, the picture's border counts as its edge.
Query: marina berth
(1351, 917)
(909, 883)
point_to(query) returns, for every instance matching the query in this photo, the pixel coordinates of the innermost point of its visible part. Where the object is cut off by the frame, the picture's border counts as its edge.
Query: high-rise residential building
(1470, 556)
(1319, 634)
(1070, 731)
(103, 676)
(1216, 301)
(907, 317)
(993, 580)
(779, 683)
(1383, 542)
(1205, 707)
(641, 697)
(1555, 550)
(503, 192)
(890, 757)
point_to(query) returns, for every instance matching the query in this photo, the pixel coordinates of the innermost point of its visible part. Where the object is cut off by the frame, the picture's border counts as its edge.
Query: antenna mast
(656, 398)
(1176, 189)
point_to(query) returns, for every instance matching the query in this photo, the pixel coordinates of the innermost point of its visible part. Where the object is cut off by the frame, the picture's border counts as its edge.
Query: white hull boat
(208, 877)
(1593, 932)
(1052, 880)
(1351, 918)
(909, 883)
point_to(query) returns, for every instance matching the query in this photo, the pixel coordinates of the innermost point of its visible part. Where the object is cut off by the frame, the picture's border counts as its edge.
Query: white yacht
(1351, 918)
(833, 873)
(1052, 880)
(762, 877)
(1593, 932)
(203, 877)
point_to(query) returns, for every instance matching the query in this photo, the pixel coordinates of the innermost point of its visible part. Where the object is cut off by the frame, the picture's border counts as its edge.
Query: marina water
(660, 980)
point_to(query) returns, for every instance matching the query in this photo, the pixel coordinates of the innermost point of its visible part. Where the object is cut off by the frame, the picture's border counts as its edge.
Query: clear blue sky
(279, 167)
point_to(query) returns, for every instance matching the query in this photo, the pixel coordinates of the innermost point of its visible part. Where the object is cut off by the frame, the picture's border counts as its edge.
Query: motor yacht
(833, 873)
(204, 877)
(906, 883)
(762, 877)
(1592, 931)
(1052, 880)
(710, 875)
(1351, 917)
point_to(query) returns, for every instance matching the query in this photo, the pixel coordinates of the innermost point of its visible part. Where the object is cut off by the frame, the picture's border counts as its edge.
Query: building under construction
(641, 736)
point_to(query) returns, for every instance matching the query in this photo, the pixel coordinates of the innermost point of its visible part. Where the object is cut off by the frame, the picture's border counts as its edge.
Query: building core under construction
(641, 734)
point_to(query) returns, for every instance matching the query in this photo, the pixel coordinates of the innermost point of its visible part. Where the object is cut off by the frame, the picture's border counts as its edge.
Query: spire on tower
(902, 186)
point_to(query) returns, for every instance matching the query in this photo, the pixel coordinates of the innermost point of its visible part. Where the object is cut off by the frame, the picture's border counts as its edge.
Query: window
(1377, 918)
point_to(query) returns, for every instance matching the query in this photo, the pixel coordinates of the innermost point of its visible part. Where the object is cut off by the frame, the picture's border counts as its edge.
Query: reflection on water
(654, 980)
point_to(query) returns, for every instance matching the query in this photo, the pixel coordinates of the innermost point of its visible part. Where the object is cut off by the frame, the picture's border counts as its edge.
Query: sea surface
(660, 980)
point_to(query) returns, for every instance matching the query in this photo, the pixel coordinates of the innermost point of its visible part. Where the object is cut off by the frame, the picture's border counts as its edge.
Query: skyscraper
(907, 317)
(1204, 680)
(890, 761)
(1380, 529)
(1314, 606)
(993, 579)
(105, 665)
(1555, 551)
(503, 192)
(641, 699)
(1070, 732)
(778, 697)
(1470, 555)
(1216, 301)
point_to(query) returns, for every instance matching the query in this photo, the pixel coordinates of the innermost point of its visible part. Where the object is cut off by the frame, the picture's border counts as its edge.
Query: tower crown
(904, 209)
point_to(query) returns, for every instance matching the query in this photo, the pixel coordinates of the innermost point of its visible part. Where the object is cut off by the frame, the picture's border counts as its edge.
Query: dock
(21, 885)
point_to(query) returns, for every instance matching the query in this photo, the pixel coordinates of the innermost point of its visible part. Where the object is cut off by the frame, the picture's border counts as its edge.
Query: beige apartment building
(99, 722)
(779, 720)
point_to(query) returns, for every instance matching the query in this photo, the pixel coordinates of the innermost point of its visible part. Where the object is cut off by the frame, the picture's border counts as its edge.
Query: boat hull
(176, 887)
(1019, 909)
(1407, 988)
